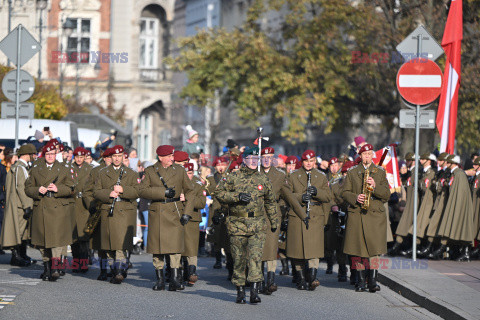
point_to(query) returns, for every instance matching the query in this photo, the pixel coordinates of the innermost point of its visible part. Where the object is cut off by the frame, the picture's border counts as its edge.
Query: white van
(67, 131)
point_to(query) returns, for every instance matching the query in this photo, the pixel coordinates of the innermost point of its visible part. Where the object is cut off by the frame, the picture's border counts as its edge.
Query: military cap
(61, 147)
(88, 153)
(365, 147)
(79, 151)
(165, 150)
(26, 149)
(291, 160)
(428, 156)
(453, 159)
(253, 151)
(443, 156)
(180, 156)
(117, 149)
(55, 142)
(188, 166)
(268, 150)
(50, 146)
(410, 156)
(308, 154)
(332, 161)
(107, 153)
(219, 160)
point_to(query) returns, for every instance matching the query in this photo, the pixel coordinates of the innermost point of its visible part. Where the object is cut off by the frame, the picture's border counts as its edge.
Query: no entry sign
(419, 81)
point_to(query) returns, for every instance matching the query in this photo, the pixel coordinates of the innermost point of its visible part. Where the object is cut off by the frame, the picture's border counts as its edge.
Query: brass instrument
(367, 190)
(92, 222)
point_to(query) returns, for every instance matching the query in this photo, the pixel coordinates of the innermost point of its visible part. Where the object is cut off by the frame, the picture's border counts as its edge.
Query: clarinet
(309, 183)
(112, 207)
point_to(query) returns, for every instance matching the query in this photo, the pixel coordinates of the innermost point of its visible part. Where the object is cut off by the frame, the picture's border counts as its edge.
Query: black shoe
(406, 253)
(285, 271)
(271, 286)
(17, 260)
(372, 280)
(393, 251)
(218, 260)
(342, 273)
(46, 275)
(174, 283)
(23, 253)
(55, 272)
(160, 284)
(329, 265)
(465, 257)
(438, 254)
(313, 282)
(241, 299)
(475, 253)
(301, 284)
(360, 285)
(294, 275)
(117, 276)
(192, 275)
(254, 297)
(103, 275)
(422, 253)
(63, 264)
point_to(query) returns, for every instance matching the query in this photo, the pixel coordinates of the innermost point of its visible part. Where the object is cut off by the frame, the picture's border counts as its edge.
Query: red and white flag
(390, 164)
(447, 108)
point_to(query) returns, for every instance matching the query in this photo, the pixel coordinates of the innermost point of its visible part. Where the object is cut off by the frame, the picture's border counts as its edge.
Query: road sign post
(17, 100)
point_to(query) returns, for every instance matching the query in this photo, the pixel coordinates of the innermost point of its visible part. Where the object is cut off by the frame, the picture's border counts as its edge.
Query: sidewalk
(449, 289)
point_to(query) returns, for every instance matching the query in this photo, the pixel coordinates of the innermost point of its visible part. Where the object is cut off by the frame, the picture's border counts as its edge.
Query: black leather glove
(312, 190)
(184, 219)
(326, 227)
(306, 222)
(244, 197)
(169, 193)
(27, 213)
(273, 229)
(284, 226)
(306, 197)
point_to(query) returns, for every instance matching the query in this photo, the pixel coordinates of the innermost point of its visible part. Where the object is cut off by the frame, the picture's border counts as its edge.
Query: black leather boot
(103, 274)
(262, 287)
(46, 275)
(160, 284)
(342, 273)
(475, 253)
(301, 284)
(353, 276)
(360, 285)
(313, 282)
(372, 280)
(406, 253)
(438, 254)
(254, 297)
(55, 269)
(186, 273)
(393, 251)
(329, 265)
(174, 285)
(23, 253)
(422, 253)
(241, 299)
(117, 277)
(271, 285)
(465, 256)
(181, 284)
(285, 271)
(63, 263)
(17, 260)
(192, 275)
(218, 260)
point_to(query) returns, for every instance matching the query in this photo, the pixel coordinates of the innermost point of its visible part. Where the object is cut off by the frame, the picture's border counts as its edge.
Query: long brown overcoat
(406, 221)
(80, 177)
(117, 231)
(192, 230)
(93, 205)
(166, 235)
(14, 225)
(303, 243)
(476, 204)
(428, 199)
(51, 220)
(442, 190)
(366, 232)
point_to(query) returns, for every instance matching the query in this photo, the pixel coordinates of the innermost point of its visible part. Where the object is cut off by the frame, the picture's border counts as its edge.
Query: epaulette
(281, 170)
(380, 167)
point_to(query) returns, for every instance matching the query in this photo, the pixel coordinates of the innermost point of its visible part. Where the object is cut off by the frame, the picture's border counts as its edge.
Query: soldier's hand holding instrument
(112, 206)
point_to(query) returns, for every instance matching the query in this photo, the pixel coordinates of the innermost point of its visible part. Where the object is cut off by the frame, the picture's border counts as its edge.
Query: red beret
(165, 150)
(180, 156)
(268, 150)
(365, 147)
(308, 154)
(188, 166)
(332, 161)
(117, 149)
(347, 165)
(87, 152)
(234, 166)
(55, 142)
(61, 147)
(125, 156)
(79, 151)
(50, 146)
(107, 153)
(220, 160)
(283, 157)
(291, 160)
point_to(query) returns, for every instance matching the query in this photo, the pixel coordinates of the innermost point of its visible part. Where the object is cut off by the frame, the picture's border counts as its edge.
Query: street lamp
(67, 28)
(41, 5)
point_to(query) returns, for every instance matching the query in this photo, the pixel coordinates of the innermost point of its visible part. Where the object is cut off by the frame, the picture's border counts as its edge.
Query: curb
(423, 301)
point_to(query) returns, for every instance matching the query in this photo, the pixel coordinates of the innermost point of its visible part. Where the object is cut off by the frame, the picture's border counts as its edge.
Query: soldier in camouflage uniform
(249, 194)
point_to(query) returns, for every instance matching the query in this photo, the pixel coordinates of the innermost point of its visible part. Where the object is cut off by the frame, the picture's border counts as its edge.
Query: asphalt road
(24, 296)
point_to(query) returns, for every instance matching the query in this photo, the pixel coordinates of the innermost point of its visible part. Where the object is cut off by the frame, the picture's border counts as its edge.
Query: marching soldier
(331, 238)
(50, 185)
(249, 195)
(365, 234)
(476, 204)
(192, 229)
(80, 172)
(18, 209)
(116, 189)
(306, 245)
(283, 194)
(163, 183)
(291, 164)
(93, 207)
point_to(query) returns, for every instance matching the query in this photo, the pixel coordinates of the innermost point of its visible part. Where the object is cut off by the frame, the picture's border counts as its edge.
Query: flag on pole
(447, 108)
(390, 164)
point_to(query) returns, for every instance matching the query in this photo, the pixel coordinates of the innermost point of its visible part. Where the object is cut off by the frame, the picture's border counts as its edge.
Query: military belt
(168, 200)
(250, 214)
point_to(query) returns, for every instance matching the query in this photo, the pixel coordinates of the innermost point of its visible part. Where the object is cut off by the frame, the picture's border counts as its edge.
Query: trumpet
(367, 190)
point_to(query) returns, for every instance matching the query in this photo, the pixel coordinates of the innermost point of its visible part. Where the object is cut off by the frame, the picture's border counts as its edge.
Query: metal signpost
(419, 82)
(19, 46)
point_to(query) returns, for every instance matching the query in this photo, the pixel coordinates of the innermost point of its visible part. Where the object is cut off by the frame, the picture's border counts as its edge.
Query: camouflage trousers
(247, 251)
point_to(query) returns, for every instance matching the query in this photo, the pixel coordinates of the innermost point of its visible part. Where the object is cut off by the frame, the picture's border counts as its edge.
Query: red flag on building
(447, 108)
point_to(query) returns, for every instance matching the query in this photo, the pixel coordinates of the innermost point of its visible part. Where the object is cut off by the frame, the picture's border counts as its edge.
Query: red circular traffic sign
(419, 81)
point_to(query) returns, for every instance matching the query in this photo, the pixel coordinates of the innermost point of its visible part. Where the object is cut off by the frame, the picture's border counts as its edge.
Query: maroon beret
(180, 156)
(332, 161)
(365, 147)
(61, 147)
(107, 153)
(188, 166)
(117, 149)
(308, 154)
(55, 142)
(165, 150)
(268, 150)
(79, 151)
(291, 160)
(50, 146)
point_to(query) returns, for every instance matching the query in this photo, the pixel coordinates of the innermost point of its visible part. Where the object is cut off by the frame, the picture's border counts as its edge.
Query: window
(148, 43)
(78, 43)
(144, 138)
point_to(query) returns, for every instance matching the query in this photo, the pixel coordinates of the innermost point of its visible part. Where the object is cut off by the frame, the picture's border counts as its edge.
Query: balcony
(152, 75)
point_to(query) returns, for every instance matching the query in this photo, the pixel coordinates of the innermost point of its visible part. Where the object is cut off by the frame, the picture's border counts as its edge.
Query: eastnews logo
(390, 263)
(89, 57)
